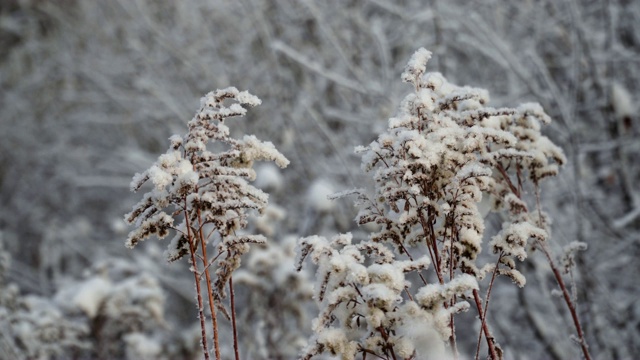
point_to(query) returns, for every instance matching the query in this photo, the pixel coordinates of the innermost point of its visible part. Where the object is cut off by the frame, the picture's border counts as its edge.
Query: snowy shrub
(445, 160)
(204, 197)
(123, 306)
(276, 301)
(132, 306)
(33, 327)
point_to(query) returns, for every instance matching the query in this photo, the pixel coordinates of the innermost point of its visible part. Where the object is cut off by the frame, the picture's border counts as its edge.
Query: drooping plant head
(210, 187)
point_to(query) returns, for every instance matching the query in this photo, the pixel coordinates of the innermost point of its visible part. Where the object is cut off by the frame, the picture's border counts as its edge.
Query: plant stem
(567, 299)
(385, 336)
(233, 319)
(194, 264)
(490, 340)
(205, 348)
(563, 287)
(452, 339)
(486, 303)
(431, 245)
(508, 180)
(212, 308)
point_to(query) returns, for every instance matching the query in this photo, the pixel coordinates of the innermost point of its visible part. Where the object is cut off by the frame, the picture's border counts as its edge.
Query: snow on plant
(114, 307)
(442, 153)
(133, 305)
(205, 198)
(33, 327)
(360, 304)
(276, 301)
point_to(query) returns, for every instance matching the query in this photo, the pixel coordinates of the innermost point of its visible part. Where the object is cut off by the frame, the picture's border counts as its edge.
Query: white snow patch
(91, 295)
(318, 195)
(623, 105)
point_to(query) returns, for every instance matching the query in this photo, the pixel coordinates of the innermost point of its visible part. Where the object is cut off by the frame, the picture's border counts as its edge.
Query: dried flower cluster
(210, 193)
(445, 160)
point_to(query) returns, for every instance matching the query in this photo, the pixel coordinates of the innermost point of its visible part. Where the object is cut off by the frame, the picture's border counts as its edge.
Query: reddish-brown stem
(205, 348)
(385, 336)
(567, 299)
(406, 290)
(486, 303)
(490, 340)
(432, 246)
(453, 232)
(233, 319)
(508, 180)
(432, 234)
(563, 287)
(210, 262)
(212, 308)
(411, 258)
(452, 339)
(435, 249)
(194, 264)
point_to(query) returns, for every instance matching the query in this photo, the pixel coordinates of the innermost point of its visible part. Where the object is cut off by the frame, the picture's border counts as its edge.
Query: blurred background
(91, 91)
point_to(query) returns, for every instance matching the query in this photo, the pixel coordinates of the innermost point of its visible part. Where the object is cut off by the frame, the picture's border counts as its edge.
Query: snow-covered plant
(445, 160)
(34, 327)
(361, 305)
(204, 196)
(121, 301)
(276, 302)
(134, 305)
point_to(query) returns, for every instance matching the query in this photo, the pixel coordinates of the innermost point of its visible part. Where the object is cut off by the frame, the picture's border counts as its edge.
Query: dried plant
(209, 192)
(445, 160)
(35, 327)
(276, 301)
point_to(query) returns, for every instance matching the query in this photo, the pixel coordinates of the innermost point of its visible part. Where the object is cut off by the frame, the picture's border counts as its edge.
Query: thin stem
(177, 230)
(486, 303)
(538, 206)
(453, 230)
(452, 339)
(519, 175)
(233, 319)
(567, 299)
(490, 340)
(406, 290)
(507, 179)
(192, 253)
(493, 278)
(385, 336)
(205, 348)
(411, 258)
(563, 287)
(210, 262)
(431, 245)
(435, 247)
(367, 351)
(214, 318)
